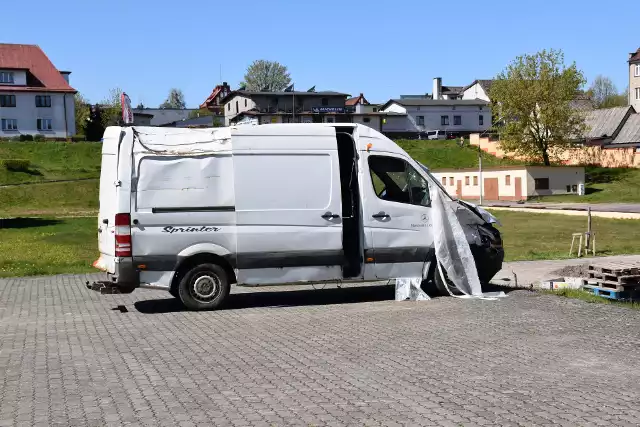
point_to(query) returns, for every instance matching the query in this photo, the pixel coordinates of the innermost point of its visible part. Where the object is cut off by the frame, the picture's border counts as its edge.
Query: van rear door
(108, 200)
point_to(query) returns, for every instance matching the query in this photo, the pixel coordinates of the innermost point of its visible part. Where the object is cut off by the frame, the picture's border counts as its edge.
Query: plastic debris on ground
(408, 288)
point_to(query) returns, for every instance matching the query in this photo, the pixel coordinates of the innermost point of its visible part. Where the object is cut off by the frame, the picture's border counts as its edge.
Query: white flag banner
(127, 113)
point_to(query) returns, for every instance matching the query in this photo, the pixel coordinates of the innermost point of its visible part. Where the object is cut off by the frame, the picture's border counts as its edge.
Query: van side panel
(183, 204)
(288, 207)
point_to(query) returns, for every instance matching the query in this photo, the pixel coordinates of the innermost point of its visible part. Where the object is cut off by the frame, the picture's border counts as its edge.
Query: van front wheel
(204, 287)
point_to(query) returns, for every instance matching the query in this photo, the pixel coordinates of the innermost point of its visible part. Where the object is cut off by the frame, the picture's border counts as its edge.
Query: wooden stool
(586, 249)
(573, 239)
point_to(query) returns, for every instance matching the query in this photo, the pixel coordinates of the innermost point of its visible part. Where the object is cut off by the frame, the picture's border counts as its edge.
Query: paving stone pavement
(298, 356)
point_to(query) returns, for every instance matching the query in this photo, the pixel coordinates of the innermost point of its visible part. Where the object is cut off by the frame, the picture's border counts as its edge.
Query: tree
(82, 112)
(532, 99)
(111, 108)
(263, 75)
(605, 94)
(174, 100)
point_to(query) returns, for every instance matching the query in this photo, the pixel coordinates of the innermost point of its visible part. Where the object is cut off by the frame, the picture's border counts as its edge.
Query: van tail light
(123, 235)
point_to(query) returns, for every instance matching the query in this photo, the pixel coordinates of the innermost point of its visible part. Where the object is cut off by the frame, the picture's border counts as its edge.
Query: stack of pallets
(614, 280)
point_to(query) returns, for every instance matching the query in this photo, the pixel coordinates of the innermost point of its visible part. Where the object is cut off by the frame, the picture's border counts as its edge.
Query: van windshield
(433, 178)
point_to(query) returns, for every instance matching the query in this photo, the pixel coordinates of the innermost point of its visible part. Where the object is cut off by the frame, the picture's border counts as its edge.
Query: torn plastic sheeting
(408, 288)
(453, 252)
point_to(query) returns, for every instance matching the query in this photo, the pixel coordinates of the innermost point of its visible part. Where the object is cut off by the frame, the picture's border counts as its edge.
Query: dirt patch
(580, 270)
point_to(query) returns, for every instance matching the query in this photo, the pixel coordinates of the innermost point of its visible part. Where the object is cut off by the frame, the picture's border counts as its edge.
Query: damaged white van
(193, 211)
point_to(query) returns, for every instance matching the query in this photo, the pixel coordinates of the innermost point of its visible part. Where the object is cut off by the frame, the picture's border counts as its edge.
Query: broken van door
(288, 205)
(396, 216)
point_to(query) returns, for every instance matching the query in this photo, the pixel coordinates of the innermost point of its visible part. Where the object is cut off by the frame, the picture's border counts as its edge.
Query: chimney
(437, 88)
(65, 75)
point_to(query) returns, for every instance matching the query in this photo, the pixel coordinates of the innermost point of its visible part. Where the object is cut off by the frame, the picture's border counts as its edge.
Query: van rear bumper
(124, 273)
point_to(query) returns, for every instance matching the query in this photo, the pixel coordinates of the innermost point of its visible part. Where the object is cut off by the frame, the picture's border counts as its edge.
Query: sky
(380, 48)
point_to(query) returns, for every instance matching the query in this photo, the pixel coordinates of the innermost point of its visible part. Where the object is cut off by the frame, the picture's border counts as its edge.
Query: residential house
(285, 107)
(511, 182)
(604, 125)
(35, 97)
(479, 89)
(454, 116)
(363, 112)
(439, 92)
(634, 79)
(213, 102)
(197, 122)
(162, 116)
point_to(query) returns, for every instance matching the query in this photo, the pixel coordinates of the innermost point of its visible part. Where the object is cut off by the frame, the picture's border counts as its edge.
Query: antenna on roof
(312, 89)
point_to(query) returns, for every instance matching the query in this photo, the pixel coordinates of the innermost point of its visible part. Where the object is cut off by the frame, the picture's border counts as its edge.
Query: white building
(454, 116)
(35, 98)
(511, 183)
(479, 89)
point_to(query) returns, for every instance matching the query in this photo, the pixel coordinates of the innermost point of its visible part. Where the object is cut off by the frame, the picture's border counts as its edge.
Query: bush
(26, 137)
(38, 138)
(16, 165)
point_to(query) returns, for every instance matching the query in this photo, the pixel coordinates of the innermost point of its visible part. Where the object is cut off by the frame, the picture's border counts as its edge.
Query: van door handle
(329, 215)
(381, 215)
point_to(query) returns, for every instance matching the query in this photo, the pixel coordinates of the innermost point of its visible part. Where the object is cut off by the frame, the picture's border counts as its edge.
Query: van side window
(397, 181)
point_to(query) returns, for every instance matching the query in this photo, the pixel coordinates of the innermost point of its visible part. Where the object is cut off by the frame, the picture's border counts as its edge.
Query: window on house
(568, 189)
(450, 180)
(9, 124)
(457, 120)
(44, 124)
(475, 180)
(229, 107)
(481, 120)
(638, 93)
(375, 110)
(637, 73)
(237, 108)
(541, 183)
(507, 180)
(366, 120)
(466, 180)
(6, 77)
(418, 108)
(444, 180)
(395, 180)
(43, 101)
(420, 120)
(325, 102)
(444, 120)
(7, 100)
(245, 102)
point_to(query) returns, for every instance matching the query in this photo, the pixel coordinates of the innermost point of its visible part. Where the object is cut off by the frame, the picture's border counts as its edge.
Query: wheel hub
(205, 287)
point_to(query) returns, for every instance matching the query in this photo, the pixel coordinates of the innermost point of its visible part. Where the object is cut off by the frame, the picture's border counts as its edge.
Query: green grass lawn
(42, 246)
(51, 161)
(437, 154)
(605, 185)
(531, 236)
(69, 245)
(59, 198)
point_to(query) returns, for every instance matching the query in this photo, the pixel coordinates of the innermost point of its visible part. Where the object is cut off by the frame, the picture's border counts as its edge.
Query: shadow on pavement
(282, 298)
(27, 222)
(298, 298)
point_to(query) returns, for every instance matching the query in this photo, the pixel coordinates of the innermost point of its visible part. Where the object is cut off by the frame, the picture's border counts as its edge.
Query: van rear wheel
(204, 287)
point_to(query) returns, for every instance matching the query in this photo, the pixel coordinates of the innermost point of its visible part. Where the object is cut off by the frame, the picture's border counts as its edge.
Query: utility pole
(480, 171)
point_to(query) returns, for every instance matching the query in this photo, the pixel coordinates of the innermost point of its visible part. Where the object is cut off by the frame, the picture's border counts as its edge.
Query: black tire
(204, 287)
(440, 286)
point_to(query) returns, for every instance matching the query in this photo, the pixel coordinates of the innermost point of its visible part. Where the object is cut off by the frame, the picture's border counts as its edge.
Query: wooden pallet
(609, 293)
(616, 268)
(612, 279)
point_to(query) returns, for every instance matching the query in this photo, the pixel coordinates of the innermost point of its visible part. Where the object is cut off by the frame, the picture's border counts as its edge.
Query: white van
(193, 211)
